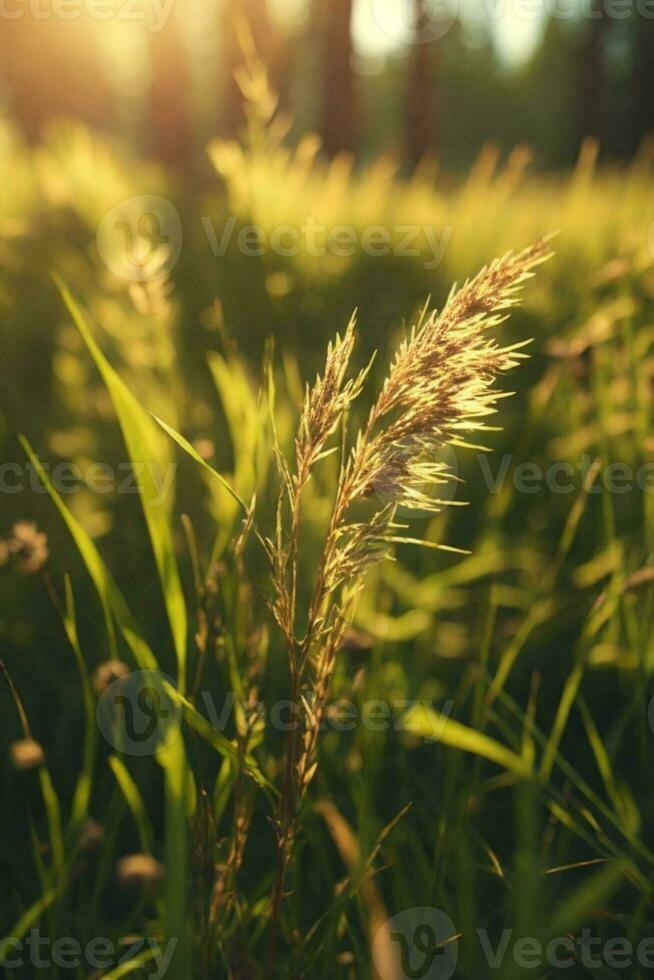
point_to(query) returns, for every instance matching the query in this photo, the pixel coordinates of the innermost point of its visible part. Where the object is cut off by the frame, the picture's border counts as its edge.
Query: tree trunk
(339, 110)
(170, 96)
(593, 74)
(422, 109)
(644, 80)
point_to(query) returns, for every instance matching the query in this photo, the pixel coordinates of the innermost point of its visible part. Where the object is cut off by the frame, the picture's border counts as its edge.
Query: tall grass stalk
(438, 390)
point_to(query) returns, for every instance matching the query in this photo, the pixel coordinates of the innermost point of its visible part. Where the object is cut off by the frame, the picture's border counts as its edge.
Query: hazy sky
(381, 26)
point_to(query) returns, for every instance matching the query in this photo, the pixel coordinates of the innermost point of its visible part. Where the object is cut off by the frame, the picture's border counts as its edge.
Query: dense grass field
(482, 803)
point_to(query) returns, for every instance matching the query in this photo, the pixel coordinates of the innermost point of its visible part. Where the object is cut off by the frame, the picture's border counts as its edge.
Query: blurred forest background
(162, 77)
(482, 127)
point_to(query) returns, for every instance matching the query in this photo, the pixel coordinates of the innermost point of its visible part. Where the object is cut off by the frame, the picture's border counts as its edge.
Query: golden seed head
(325, 403)
(27, 753)
(107, 673)
(140, 870)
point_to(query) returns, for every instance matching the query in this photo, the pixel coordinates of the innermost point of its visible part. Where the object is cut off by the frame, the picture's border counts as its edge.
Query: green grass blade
(188, 448)
(82, 794)
(570, 692)
(110, 596)
(131, 967)
(53, 814)
(141, 438)
(28, 920)
(96, 568)
(178, 787)
(424, 721)
(134, 801)
(588, 897)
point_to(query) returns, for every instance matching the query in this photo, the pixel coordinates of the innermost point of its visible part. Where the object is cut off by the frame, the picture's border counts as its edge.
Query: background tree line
(590, 76)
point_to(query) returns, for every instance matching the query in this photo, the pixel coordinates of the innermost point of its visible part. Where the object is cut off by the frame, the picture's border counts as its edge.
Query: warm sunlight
(326, 489)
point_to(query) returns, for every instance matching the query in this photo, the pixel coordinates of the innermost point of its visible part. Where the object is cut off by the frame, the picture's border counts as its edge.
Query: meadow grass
(510, 785)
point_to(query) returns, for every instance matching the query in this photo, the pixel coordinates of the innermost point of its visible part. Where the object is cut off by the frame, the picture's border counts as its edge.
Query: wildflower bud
(29, 546)
(205, 448)
(91, 835)
(140, 871)
(107, 673)
(27, 753)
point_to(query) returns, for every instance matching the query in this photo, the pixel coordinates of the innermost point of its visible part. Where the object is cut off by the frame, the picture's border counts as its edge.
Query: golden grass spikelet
(325, 403)
(439, 388)
(324, 407)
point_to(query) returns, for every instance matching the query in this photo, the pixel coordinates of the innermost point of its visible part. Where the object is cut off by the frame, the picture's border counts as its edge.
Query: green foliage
(526, 666)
